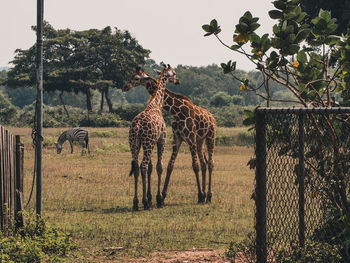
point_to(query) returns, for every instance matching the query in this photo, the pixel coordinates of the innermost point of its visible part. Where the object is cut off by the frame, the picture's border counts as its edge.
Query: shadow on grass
(118, 209)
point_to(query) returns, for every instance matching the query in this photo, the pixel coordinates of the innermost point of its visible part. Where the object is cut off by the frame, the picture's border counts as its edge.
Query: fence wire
(302, 155)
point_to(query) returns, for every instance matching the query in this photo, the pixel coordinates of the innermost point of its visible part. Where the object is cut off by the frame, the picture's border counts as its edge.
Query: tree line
(85, 70)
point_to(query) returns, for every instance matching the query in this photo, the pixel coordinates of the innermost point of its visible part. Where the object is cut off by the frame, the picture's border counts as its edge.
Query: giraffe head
(171, 74)
(142, 78)
(138, 78)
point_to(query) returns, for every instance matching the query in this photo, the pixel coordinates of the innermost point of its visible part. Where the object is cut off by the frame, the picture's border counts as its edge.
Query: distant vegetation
(84, 72)
(206, 86)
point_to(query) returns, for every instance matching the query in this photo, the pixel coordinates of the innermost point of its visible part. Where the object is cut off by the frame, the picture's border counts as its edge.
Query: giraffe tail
(134, 168)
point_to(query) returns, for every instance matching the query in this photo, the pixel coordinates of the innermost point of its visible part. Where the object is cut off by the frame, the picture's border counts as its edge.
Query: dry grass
(91, 197)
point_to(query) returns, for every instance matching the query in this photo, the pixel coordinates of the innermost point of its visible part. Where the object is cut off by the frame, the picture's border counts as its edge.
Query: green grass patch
(240, 139)
(105, 134)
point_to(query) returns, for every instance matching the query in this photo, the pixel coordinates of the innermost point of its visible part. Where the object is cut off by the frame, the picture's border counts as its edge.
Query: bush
(105, 134)
(105, 120)
(37, 241)
(129, 111)
(312, 252)
(7, 110)
(241, 139)
(243, 251)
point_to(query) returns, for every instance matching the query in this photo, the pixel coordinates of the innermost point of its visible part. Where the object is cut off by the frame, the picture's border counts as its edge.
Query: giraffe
(191, 124)
(148, 129)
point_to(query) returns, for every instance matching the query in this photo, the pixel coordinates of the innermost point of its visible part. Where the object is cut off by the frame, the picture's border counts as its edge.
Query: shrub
(105, 120)
(105, 134)
(243, 251)
(37, 241)
(312, 252)
(241, 139)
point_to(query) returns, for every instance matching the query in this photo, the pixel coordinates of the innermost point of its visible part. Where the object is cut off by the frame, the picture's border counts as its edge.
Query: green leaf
(301, 57)
(275, 14)
(293, 49)
(254, 26)
(302, 35)
(214, 23)
(242, 28)
(206, 28)
(235, 47)
(280, 5)
(248, 15)
(325, 14)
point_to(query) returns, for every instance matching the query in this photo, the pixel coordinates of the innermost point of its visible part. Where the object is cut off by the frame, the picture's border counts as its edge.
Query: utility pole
(39, 105)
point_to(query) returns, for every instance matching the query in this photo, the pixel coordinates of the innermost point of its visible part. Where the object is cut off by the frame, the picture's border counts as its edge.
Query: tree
(339, 9)
(7, 110)
(78, 61)
(306, 71)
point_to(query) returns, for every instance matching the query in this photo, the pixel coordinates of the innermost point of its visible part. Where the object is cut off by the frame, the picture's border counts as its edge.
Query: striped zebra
(75, 134)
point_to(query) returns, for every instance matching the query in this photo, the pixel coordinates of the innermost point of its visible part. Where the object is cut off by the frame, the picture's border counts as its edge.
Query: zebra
(75, 134)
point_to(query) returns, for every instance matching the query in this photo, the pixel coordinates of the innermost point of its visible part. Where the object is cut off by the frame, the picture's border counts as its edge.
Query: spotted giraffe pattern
(191, 124)
(147, 130)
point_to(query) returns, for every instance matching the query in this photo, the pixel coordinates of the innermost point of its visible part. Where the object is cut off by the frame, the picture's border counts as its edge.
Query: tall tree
(340, 10)
(78, 61)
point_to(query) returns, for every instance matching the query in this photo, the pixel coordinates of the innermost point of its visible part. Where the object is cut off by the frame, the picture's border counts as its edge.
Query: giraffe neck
(157, 99)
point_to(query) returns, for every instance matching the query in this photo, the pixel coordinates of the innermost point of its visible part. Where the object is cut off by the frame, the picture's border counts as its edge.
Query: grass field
(91, 197)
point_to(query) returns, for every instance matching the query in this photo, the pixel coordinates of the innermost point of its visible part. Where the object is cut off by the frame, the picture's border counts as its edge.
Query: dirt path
(188, 256)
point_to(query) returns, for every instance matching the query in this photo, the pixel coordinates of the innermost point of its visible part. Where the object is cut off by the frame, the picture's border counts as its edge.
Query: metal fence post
(260, 188)
(301, 178)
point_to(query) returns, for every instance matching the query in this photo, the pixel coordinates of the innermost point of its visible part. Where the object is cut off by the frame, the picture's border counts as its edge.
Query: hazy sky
(170, 29)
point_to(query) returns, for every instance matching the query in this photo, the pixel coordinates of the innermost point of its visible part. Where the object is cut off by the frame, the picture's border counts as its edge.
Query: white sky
(172, 30)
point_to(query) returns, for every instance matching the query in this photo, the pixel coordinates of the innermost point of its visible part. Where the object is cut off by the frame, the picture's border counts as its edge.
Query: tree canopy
(79, 61)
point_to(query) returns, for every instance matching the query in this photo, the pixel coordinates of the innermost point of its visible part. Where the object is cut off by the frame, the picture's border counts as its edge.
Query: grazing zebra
(75, 134)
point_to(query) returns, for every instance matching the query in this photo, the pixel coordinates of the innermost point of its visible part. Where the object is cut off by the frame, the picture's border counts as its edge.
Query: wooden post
(19, 183)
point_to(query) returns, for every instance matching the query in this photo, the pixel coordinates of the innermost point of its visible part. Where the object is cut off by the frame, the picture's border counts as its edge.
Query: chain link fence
(302, 159)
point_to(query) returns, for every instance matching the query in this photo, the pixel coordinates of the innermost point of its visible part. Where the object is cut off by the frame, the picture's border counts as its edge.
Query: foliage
(7, 110)
(105, 134)
(241, 139)
(80, 61)
(338, 8)
(106, 120)
(311, 252)
(37, 241)
(316, 71)
(242, 251)
(56, 117)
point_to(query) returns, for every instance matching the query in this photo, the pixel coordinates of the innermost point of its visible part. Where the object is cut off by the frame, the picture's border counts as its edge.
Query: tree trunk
(64, 105)
(109, 101)
(102, 100)
(88, 100)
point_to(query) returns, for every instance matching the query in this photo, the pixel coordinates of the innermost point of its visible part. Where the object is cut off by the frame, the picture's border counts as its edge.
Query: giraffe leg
(135, 170)
(210, 147)
(149, 172)
(195, 166)
(144, 169)
(160, 150)
(176, 146)
(203, 163)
